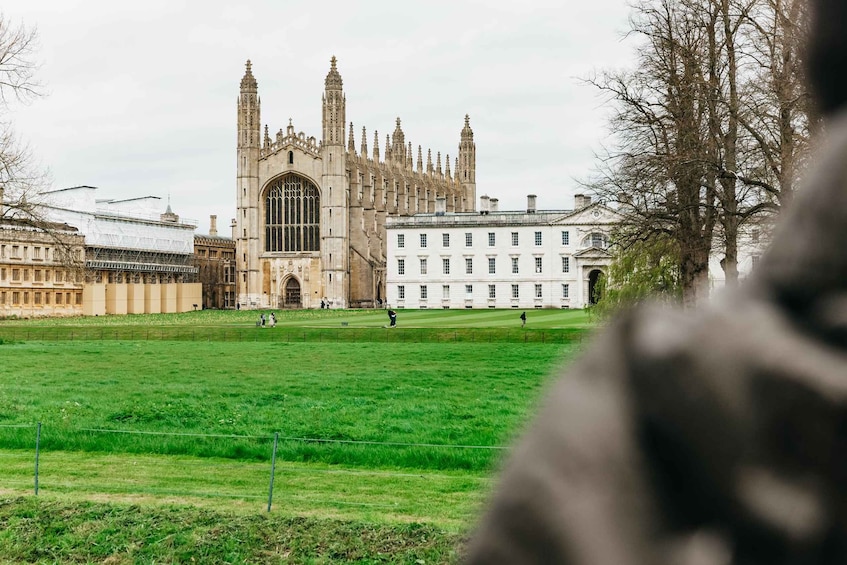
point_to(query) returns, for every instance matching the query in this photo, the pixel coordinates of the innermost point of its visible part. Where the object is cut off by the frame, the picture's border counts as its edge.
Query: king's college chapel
(310, 222)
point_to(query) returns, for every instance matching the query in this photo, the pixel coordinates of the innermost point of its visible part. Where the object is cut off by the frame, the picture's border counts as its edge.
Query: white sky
(141, 96)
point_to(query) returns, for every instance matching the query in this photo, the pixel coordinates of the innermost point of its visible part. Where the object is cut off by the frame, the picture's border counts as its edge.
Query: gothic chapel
(311, 214)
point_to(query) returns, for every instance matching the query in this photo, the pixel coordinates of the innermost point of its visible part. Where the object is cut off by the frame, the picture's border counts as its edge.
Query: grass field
(33, 531)
(470, 394)
(379, 427)
(500, 319)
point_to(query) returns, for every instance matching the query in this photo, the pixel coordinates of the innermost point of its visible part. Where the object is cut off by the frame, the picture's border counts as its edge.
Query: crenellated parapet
(290, 140)
(400, 176)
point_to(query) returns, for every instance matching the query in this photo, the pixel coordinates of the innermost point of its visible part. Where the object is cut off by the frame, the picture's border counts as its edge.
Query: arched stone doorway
(593, 289)
(291, 294)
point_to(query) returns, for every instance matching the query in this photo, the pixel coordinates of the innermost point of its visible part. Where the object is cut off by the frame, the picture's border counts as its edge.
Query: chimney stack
(530, 203)
(440, 205)
(578, 201)
(494, 204)
(233, 226)
(213, 225)
(483, 204)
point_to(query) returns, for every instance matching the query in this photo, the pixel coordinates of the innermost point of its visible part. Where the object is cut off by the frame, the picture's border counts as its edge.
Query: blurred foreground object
(712, 436)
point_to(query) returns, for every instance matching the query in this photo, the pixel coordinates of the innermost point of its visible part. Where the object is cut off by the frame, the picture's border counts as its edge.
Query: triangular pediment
(593, 214)
(593, 253)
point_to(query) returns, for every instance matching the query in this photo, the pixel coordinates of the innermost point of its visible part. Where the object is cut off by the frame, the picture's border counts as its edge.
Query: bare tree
(766, 119)
(711, 128)
(656, 171)
(20, 179)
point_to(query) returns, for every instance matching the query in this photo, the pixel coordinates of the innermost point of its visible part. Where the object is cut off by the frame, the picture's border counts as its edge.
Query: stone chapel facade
(310, 223)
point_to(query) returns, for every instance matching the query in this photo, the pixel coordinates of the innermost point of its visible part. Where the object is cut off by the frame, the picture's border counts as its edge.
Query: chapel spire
(466, 167)
(248, 81)
(249, 115)
(364, 143)
(334, 107)
(398, 147)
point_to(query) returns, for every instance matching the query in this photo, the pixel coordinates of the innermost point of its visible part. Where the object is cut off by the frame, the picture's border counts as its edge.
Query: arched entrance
(291, 294)
(593, 289)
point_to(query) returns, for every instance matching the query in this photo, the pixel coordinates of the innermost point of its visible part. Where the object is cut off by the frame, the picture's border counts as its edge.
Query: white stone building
(493, 259)
(752, 243)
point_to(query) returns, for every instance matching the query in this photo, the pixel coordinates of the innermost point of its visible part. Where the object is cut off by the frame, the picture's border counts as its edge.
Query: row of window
(492, 266)
(17, 297)
(38, 275)
(213, 254)
(594, 239)
(423, 291)
(22, 252)
(35, 252)
(492, 239)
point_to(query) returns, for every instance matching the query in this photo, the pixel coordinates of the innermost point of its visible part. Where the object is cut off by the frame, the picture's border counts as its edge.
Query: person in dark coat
(523, 319)
(712, 436)
(392, 317)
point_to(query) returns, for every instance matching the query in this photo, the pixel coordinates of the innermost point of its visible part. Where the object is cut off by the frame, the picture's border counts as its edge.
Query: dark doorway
(593, 289)
(292, 294)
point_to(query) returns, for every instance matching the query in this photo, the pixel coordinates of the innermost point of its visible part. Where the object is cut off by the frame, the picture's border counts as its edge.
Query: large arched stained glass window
(292, 215)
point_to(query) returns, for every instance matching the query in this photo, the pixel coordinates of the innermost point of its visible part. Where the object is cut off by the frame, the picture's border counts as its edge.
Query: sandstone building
(311, 213)
(214, 257)
(40, 269)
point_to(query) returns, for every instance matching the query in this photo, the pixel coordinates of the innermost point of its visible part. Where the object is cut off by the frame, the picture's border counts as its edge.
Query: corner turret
(247, 187)
(466, 166)
(335, 243)
(334, 107)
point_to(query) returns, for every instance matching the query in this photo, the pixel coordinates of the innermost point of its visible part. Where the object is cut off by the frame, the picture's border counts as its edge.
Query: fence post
(273, 471)
(37, 444)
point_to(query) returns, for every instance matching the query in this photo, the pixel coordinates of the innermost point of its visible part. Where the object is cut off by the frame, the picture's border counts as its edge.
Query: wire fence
(308, 486)
(293, 334)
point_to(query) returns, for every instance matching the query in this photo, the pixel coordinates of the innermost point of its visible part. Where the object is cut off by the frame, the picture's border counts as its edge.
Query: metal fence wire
(234, 467)
(293, 334)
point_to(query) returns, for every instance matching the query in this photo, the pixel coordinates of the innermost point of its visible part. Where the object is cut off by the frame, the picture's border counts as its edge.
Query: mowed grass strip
(453, 394)
(309, 326)
(291, 334)
(369, 318)
(51, 531)
(449, 500)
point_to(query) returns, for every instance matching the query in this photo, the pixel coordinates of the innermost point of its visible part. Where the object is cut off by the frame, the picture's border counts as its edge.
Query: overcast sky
(141, 96)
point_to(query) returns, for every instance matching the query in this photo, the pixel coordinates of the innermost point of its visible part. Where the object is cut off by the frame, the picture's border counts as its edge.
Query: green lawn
(381, 430)
(454, 394)
(536, 319)
(45, 531)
